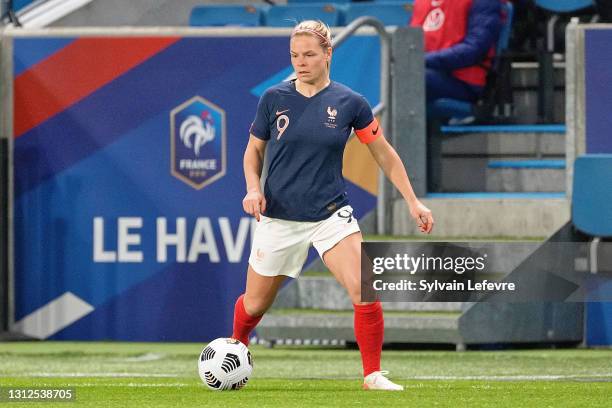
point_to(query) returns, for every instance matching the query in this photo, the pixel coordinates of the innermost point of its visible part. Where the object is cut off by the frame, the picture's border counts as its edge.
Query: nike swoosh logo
(281, 112)
(375, 131)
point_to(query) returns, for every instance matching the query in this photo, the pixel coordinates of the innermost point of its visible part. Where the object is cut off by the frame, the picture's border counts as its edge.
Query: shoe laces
(379, 373)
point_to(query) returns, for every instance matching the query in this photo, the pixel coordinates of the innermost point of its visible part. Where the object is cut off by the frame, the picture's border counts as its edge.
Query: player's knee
(256, 306)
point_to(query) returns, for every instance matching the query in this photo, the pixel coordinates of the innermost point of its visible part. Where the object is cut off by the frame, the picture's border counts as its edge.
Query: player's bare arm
(254, 202)
(391, 164)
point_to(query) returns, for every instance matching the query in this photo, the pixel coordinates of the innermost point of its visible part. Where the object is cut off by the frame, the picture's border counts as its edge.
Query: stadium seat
(592, 195)
(446, 108)
(564, 6)
(19, 4)
(290, 14)
(592, 215)
(390, 13)
(226, 15)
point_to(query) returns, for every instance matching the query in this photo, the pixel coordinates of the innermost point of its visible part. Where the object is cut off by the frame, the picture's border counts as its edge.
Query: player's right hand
(254, 203)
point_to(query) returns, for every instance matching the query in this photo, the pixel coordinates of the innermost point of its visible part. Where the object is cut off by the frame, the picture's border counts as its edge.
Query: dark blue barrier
(598, 89)
(598, 96)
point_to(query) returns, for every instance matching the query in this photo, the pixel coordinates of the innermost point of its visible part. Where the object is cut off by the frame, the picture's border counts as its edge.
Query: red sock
(243, 322)
(369, 331)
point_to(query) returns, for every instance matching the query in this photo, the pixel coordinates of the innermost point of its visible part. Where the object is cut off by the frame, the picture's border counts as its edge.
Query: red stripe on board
(74, 72)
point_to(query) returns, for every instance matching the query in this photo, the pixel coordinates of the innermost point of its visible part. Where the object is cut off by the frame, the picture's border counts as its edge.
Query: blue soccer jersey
(306, 138)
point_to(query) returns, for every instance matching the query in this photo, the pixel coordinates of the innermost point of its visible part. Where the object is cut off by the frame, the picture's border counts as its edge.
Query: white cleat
(378, 381)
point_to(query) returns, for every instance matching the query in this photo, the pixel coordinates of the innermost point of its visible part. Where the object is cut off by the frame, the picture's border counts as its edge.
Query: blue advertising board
(598, 96)
(598, 89)
(128, 183)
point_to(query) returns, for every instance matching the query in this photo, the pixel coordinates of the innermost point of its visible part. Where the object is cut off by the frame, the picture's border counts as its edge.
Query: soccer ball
(225, 364)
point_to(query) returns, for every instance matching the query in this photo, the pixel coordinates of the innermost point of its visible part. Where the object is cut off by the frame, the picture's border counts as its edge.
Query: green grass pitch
(165, 375)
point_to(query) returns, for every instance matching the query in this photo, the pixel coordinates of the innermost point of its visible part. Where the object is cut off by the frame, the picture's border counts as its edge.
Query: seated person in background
(460, 38)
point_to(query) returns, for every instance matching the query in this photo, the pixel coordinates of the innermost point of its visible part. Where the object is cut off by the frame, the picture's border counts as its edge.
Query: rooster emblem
(331, 112)
(196, 132)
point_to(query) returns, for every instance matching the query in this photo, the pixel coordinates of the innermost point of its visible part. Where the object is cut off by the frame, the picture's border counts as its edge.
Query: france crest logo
(198, 142)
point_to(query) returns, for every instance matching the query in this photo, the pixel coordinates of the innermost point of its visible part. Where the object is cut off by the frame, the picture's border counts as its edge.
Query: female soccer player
(306, 123)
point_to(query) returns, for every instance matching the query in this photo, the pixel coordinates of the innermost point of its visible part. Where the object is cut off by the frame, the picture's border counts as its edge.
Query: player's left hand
(423, 217)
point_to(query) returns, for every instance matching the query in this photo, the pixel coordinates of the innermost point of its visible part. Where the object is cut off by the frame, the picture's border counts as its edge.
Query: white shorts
(280, 247)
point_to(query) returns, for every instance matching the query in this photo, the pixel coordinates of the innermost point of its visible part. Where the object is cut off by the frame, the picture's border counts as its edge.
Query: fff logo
(198, 142)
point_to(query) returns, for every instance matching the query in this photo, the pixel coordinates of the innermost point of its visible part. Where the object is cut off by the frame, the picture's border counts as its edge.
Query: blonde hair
(315, 28)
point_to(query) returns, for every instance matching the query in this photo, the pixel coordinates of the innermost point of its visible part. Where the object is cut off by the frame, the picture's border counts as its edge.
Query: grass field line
(519, 377)
(133, 385)
(511, 377)
(94, 375)
(144, 357)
